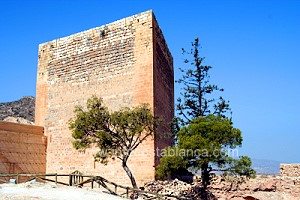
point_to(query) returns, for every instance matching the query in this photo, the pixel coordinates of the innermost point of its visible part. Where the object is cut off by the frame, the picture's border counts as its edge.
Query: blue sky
(253, 46)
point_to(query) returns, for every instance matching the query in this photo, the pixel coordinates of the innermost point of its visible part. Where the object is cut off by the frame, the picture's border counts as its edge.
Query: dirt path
(49, 191)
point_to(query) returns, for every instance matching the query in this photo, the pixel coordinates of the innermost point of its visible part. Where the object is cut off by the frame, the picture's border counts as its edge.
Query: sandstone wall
(163, 87)
(119, 62)
(22, 149)
(291, 170)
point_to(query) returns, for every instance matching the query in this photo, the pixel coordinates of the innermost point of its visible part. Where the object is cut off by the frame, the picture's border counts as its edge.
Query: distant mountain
(23, 108)
(266, 166)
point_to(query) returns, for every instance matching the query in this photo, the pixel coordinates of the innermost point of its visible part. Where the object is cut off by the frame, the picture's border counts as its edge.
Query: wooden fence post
(56, 179)
(70, 180)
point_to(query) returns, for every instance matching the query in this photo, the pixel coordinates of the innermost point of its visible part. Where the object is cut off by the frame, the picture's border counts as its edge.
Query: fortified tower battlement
(127, 63)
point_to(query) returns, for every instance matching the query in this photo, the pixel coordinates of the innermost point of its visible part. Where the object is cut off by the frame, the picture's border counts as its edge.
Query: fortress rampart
(22, 149)
(126, 63)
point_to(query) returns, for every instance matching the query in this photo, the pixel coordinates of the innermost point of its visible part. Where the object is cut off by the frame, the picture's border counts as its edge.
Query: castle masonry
(22, 149)
(126, 63)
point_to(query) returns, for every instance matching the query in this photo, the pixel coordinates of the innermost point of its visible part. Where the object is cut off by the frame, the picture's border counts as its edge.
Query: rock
(244, 187)
(249, 197)
(285, 184)
(254, 186)
(18, 120)
(268, 195)
(268, 186)
(297, 182)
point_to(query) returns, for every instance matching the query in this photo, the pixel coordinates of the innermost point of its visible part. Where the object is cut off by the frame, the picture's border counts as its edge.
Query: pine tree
(195, 98)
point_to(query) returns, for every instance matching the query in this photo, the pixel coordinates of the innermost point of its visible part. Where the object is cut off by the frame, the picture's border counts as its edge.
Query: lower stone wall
(291, 170)
(22, 149)
(68, 160)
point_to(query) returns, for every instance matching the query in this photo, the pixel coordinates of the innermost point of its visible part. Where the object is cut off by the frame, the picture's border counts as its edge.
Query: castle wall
(116, 62)
(163, 88)
(22, 149)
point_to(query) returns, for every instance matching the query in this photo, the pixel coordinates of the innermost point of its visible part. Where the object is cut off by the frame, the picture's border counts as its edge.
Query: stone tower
(126, 62)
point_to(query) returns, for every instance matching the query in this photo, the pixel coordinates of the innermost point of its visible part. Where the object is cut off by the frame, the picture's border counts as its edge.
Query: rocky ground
(21, 111)
(261, 188)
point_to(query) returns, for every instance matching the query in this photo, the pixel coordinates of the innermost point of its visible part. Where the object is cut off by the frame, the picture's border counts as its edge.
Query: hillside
(23, 108)
(267, 167)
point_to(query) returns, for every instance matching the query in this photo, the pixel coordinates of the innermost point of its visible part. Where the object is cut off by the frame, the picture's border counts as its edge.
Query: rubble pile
(178, 188)
(261, 188)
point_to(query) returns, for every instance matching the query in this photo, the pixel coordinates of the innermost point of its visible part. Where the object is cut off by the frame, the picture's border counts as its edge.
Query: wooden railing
(79, 180)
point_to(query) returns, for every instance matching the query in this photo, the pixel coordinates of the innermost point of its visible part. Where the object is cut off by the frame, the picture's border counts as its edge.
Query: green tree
(207, 132)
(172, 167)
(196, 94)
(203, 145)
(116, 134)
(210, 138)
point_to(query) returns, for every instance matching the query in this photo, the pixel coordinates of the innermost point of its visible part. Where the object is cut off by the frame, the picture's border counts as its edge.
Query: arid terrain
(261, 188)
(49, 191)
(264, 187)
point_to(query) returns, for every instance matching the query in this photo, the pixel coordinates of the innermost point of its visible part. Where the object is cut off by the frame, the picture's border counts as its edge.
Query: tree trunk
(128, 172)
(205, 176)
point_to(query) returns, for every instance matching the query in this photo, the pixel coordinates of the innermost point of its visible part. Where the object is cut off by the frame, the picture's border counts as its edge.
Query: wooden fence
(79, 180)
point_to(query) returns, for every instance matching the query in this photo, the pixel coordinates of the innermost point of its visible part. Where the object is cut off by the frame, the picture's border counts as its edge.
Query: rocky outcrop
(292, 170)
(261, 188)
(18, 120)
(21, 111)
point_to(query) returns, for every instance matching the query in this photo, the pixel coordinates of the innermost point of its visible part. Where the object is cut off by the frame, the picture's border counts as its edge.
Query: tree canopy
(117, 134)
(196, 93)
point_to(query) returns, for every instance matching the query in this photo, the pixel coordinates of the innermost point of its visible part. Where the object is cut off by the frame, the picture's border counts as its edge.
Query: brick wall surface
(291, 170)
(22, 149)
(127, 63)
